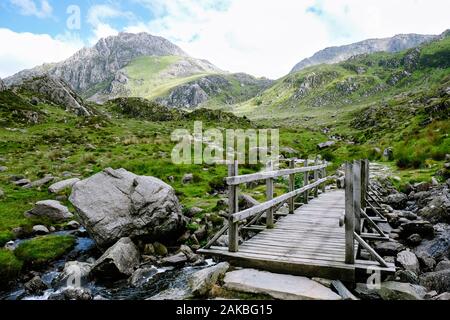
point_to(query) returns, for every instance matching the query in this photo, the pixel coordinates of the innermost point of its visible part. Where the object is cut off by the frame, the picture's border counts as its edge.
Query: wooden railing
(360, 196)
(236, 217)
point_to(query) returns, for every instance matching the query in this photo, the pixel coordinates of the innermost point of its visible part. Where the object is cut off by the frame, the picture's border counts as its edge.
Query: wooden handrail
(239, 216)
(236, 180)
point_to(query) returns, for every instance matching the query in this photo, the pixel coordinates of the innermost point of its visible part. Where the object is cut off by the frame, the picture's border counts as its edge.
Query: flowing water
(164, 278)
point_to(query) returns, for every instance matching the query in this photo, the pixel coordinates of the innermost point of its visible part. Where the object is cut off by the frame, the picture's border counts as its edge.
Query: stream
(164, 278)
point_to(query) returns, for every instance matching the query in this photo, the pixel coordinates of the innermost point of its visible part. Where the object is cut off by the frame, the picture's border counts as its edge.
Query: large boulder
(393, 290)
(439, 247)
(116, 203)
(389, 248)
(202, 281)
(50, 209)
(438, 280)
(118, 261)
(438, 210)
(423, 228)
(408, 261)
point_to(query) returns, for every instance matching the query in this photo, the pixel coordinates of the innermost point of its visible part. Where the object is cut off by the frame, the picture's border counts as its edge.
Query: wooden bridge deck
(309, 242)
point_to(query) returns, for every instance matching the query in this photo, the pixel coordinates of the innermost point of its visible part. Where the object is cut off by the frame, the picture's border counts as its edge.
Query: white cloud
(267, 38)
(27, 50)
(97, 17)
(30, 8)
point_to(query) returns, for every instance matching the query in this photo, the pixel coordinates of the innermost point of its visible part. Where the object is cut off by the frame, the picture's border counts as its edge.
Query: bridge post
(291, 186)
(349, 215)
(269, 196)
(233, 207)
(306, 182)
(363, 183)
(324, 174)
(316, 177)
(357, 192)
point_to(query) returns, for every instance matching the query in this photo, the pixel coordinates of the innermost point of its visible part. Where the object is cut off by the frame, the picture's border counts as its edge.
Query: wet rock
(35, 286)
(427, 263)
(201, 282)
(74, 274)
(118, 261)
(397, 201)
(63, 185)
(422, 228)
(175, 260)
(160, 249)
(389, 248)
(393, 290)
(172, 294)
(414, 240)
(141, 276)
(421, 186)
(408, 261)
(116, 203)
(20, 233)
(73, 293)
(279, 286)
(50, 209)
(40, 230)
(407, 276)
(443, 296)
(438, 280)
(442, 265)
(73, 225)
(439, 247)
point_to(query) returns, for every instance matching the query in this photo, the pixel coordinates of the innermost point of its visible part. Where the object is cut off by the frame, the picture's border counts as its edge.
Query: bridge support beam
(349, 216)
(233, 207)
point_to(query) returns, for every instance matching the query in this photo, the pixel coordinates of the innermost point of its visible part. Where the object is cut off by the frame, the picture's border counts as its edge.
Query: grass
(42, 250)
(10, 266)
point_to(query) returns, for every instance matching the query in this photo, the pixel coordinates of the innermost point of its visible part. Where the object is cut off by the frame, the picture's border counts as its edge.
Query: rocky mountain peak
(338, 54)
(2, 85)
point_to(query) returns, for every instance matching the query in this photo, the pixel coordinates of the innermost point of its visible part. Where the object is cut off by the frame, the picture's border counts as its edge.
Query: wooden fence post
(269, 196)
(367, 176)
(233, 207)
(316, 177)
(357, 195)
(306, 182)
(291, 186)
(324, 174)
(349, 216)
(363, 184)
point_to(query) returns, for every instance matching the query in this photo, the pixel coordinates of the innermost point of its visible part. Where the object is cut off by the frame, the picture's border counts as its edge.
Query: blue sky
(261, 37)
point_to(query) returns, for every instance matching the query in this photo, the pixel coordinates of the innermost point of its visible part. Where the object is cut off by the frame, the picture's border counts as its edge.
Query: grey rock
(390, 248)
(442, 265)
(149, 249)
(187, 178)
(427, 263)
(388, 154)
(73, 293)
(3, 168)
(422, 228)
(172, 294)
(408, 261)
(63, 185)
(51, 209)
(40, 230)
(116, 203)
(160, 249)
(414, 239)
(407, 276)
(278, 286)
(40, 182)
(439, 247)
(35, 286)
(201, 282)
(73, 225)
(326, 145)
(392, 290)
(118, 261)
(443, 296)
(340, 182)
(141, 276)
(397, 200)
(22, 182)
(175, 260)
(438, 210)
(438, 280)
(2, 85)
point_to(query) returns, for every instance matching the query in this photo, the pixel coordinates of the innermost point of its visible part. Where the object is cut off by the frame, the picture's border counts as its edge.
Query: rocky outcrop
(118, 261)
(63, 185)
(338, 54)
(116, 203)
(50, 209)
(2, 85)
(202, 281)
(55, 90)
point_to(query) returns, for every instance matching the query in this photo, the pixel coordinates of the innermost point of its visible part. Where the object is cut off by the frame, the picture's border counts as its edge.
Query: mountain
(333, 55)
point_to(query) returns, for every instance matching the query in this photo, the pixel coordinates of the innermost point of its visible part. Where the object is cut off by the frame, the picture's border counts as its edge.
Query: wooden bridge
(325, 235)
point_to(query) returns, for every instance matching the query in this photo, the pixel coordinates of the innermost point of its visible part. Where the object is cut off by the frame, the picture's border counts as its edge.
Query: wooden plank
(236, 180)
(372, 252)
(343, 291)
(269, 204)
(233, 206)
(349, 215)
(373, 224)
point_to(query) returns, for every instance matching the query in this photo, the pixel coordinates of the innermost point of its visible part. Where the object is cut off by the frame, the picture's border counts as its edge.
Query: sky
(260, 37)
